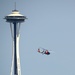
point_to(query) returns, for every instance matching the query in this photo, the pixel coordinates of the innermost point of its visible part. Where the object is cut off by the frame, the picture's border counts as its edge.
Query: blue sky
(51, 25)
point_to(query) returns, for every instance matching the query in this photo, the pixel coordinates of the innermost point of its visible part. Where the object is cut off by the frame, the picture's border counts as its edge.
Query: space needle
(15, 19)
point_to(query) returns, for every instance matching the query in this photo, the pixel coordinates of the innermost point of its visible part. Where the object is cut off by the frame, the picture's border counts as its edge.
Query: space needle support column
(15, 56)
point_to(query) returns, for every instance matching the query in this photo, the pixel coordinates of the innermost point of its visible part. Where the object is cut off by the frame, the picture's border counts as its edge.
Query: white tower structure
(15, 19)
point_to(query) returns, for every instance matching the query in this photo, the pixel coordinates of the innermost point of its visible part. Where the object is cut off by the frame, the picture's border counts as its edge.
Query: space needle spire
(15, 5)
(15, 19)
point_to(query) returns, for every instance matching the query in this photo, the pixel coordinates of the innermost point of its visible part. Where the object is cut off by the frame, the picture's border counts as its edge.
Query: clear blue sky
(50, 24)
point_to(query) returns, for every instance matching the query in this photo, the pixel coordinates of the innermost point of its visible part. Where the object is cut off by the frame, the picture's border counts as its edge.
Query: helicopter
(43, 51)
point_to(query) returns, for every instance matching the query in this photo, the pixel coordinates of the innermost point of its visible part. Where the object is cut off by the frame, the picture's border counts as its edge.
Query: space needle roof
(15, 13)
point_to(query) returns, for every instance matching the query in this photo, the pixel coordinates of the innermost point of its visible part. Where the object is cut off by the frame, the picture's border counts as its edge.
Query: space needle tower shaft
(15, 19)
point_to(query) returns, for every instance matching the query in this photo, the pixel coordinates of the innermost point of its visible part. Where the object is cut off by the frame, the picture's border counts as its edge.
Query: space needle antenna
(15, 19)
(15, 5)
